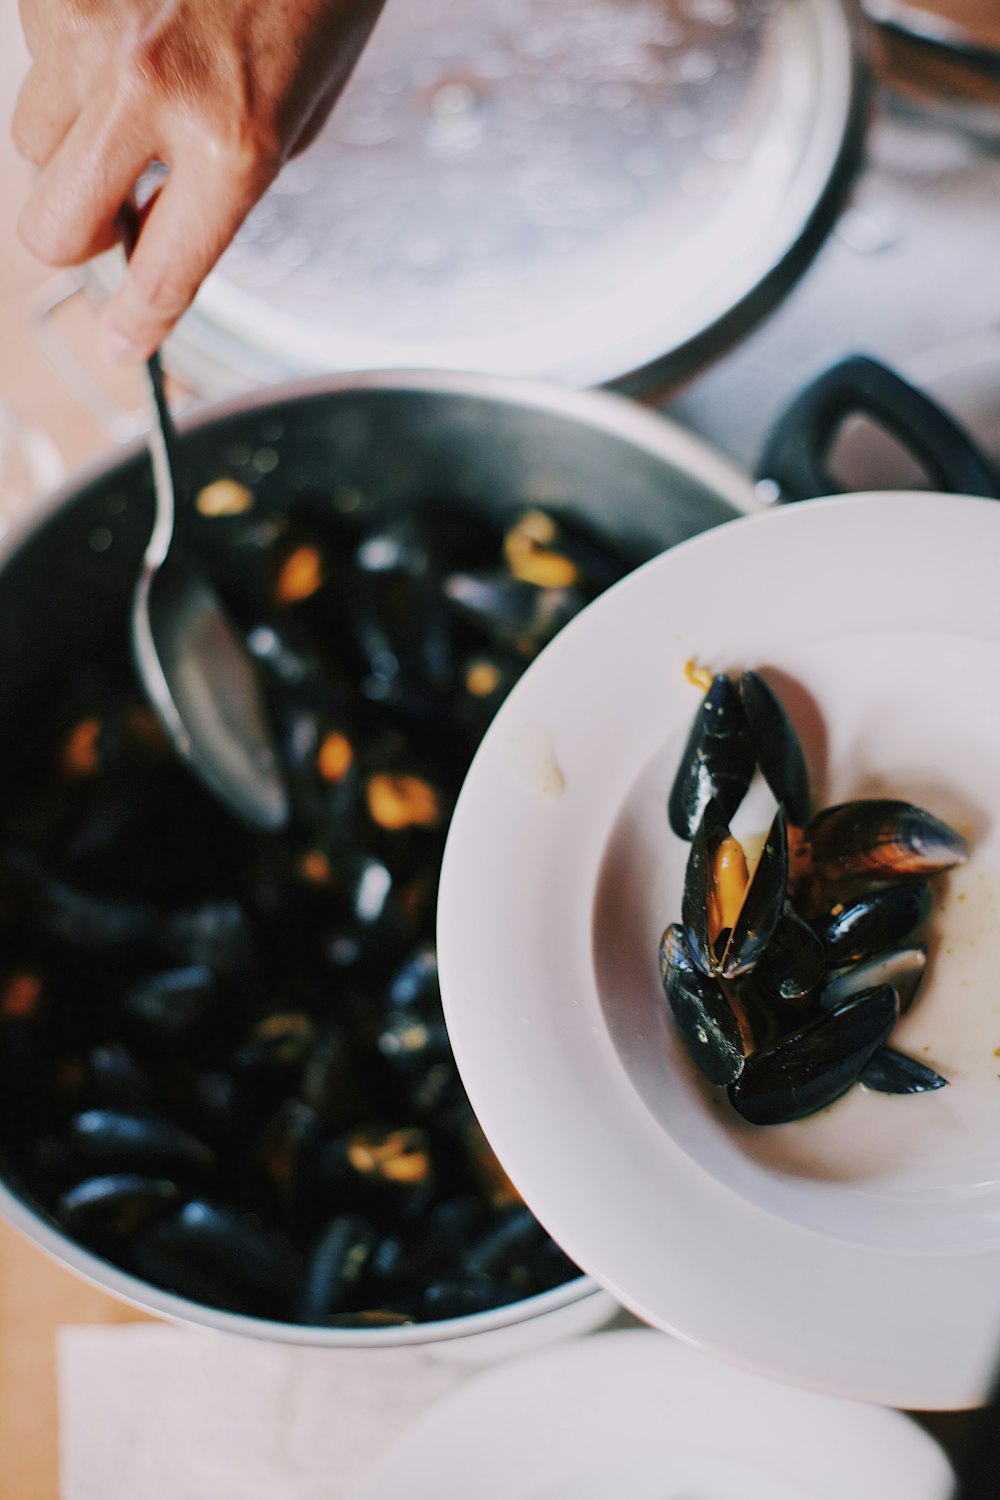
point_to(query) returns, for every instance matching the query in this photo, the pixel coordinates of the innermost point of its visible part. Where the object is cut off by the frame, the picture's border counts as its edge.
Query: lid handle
(792, 465)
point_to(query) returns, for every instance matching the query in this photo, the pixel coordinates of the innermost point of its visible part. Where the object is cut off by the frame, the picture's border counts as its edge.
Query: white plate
(636, 1414)
(857, 1252)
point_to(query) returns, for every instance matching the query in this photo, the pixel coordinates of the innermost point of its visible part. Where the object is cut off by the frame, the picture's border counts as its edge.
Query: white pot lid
(577, 190)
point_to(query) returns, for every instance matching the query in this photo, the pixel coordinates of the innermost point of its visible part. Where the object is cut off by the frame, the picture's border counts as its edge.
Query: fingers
(70, 213)
(193, 219)
(42, 117)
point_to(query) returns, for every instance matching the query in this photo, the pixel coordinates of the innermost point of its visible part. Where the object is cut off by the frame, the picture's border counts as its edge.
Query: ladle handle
(162, 433)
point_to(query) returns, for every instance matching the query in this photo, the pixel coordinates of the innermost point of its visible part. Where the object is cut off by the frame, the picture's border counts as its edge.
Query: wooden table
(37, 1295)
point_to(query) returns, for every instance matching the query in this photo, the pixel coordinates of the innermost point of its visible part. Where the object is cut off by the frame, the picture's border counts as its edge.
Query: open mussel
(729, 916)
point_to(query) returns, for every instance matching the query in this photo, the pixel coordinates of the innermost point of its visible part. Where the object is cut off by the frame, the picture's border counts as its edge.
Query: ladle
(190, 657)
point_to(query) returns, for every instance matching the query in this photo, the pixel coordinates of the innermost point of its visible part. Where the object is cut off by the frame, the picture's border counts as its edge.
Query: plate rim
(959, 1379)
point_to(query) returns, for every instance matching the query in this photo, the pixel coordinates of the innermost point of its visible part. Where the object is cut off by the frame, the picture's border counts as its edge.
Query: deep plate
(857, 1252)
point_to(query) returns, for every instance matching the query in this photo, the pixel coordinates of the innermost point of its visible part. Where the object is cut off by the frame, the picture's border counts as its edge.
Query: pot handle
(792, 465)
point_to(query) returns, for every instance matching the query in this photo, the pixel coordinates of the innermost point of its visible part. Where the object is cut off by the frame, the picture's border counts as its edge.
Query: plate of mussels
(721, 993)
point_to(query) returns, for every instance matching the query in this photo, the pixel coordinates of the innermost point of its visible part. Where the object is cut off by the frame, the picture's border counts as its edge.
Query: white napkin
(152, 1412)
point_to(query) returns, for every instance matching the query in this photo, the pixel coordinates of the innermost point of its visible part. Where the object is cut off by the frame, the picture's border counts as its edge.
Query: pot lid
(576, 190)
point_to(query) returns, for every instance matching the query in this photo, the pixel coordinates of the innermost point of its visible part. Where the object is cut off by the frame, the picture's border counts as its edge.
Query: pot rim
(608, 412)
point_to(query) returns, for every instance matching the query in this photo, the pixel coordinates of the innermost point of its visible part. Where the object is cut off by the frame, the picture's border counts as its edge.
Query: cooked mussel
(880, 920)
(704, 1016)
(717, 763)
(814, 1066)
(776, 748)
(881, 839)
(903, 969)
(729, 918)
(890, 1072)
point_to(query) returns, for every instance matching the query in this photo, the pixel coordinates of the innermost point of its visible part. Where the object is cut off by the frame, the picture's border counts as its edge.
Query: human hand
(221, 91)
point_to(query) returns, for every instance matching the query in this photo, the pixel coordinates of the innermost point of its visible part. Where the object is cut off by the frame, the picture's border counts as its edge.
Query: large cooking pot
(67, 574)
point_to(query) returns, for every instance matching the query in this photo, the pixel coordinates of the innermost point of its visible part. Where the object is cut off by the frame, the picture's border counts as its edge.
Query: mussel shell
(335, 1266)
(415, 981)
(435, 537)
(763, 905)
(881, 919)
(115, 1079)
(216, 933)
(717, 763)
(881, 838)
(216, 1255)
(704, 1017)
(461, 1296)
(793, 963)
(508, 1242)
(513, 614)
(891, 1072)
(172, 1002)
(436, 1242)
(127, 1140)
(814, 1066)
(30, 894)
(108, 1210)
(776, 748)
(903, 969)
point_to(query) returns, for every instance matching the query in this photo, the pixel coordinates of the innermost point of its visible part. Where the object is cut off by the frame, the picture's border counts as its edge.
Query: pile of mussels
(223, 1060)
(786, 984)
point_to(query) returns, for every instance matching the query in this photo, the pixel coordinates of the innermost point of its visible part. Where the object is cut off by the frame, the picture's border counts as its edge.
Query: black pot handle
(792, 465)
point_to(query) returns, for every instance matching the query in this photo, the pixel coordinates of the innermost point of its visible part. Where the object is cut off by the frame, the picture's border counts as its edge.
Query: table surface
(37, 1296)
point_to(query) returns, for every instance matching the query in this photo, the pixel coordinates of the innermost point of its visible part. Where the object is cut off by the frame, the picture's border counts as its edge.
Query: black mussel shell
(217, 1255)
(891, 1072)
(124, 1140)
(903, 969)
(173, 1002)
(512, 613)
(776, 748)
(697, 877)
(30, 894)
(336, 1264)
(814, 1066)
(882, 919)
(881, 839)
(108, 1210)
(703, 1015)
(115, 1079)
(763, 904)
(717, 763)
(793, 963)
(511, 1240)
